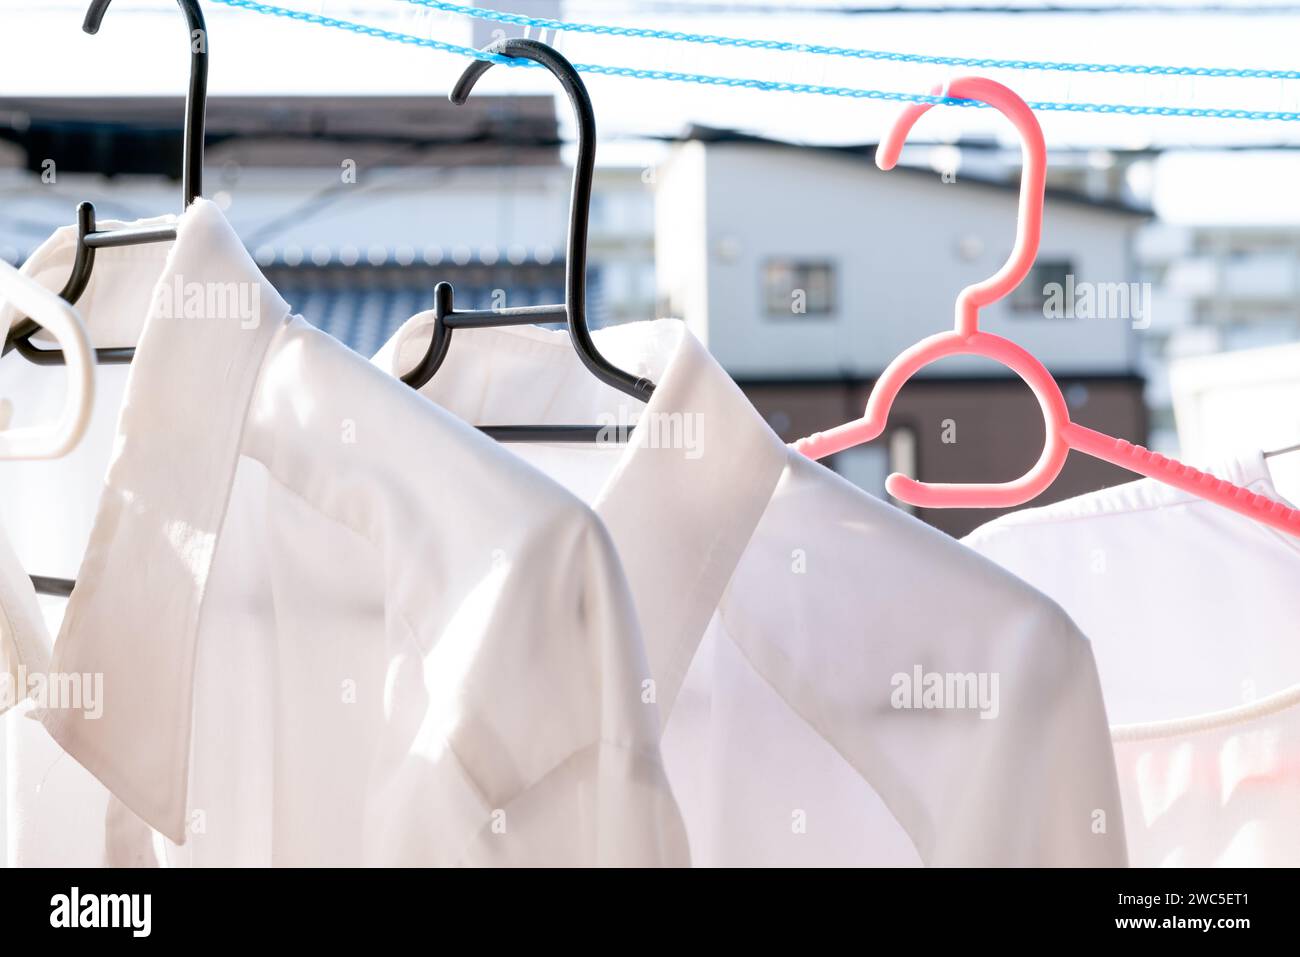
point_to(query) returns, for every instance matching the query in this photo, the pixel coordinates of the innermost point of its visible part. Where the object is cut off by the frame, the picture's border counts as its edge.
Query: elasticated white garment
(335, 625)
(1194, 612)
(841, 683)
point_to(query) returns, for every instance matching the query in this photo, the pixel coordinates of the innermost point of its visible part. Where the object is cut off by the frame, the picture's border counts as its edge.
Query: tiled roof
(363, 307)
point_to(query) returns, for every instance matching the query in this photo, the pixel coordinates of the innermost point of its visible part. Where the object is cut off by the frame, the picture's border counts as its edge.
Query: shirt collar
(134, 614)
(1250, 469)
(687, 492)
(116, 298)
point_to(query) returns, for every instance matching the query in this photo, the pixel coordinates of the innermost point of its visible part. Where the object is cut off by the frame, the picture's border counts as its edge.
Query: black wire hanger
(88, 238)
(574, 311)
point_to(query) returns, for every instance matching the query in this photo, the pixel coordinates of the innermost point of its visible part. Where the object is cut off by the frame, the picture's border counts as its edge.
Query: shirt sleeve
(969, 701)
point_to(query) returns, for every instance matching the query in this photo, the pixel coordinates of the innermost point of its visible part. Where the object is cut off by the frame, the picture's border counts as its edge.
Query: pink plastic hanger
(967, 339)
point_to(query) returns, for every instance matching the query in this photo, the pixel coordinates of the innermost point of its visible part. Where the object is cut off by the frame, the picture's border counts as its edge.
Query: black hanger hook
(575, 293)
(196, 101)
(88, 237)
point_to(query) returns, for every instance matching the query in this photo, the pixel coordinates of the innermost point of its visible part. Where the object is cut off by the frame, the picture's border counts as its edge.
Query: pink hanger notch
(967, 339)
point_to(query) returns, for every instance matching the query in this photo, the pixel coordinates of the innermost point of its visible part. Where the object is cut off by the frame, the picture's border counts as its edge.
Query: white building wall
(903, 244)
(683, 264)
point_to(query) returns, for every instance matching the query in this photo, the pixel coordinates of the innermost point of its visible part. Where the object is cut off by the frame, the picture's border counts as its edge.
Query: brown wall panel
(998, 430)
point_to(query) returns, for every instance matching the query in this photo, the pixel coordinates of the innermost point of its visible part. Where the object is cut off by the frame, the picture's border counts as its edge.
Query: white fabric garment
(24, 651)
(1194, 612)
(784, 612)
(55, 808)
(335, 625)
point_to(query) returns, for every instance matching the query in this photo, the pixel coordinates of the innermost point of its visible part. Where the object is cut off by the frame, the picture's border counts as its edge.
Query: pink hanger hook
(967, 339)
(1033, 179)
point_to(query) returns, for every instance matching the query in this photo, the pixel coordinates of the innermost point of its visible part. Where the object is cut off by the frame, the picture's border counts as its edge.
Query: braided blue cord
(978, 63)
(771, 86)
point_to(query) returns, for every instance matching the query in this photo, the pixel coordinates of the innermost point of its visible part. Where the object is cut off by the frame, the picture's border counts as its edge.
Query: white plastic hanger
(54, 439)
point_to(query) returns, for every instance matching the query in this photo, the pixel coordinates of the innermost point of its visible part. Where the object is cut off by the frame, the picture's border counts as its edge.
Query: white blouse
(841, 684)
(1195, 614)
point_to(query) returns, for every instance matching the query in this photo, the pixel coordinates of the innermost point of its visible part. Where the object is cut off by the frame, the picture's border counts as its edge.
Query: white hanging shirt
(796, 627)
(1194, 612)
(337, 626)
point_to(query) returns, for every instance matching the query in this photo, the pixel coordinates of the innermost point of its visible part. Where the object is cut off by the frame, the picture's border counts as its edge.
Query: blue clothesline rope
(817, 49)
(771, 86)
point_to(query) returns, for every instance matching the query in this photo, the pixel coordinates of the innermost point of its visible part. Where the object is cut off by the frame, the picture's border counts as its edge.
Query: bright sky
(141, 49)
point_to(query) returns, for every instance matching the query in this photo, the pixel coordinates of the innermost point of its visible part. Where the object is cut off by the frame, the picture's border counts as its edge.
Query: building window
(796, 289)
(1030, 297)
